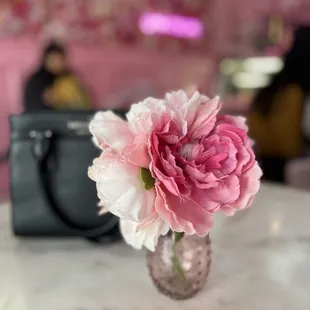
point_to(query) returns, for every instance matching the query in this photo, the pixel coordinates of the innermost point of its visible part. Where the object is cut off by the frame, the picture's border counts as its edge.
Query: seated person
(53, 86)
(275, 119)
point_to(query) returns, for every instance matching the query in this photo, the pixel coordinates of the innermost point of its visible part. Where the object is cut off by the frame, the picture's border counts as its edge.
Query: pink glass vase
(193, 256)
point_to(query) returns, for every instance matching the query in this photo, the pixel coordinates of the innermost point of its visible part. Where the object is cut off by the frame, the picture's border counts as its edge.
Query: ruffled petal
(110, 131)
(144, 115)
(205, 118)
(137, 153)
(120, 189)
(145, 233)
(238, 121)
(182, 215)
(186, 105)
(249, 187)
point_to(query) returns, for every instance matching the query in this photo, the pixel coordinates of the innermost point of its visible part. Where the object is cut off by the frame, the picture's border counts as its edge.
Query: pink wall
(232, 24)
(229, 25)
(105, 71)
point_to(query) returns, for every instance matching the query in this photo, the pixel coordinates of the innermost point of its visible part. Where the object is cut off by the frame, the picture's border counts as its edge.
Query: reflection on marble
(260, 261)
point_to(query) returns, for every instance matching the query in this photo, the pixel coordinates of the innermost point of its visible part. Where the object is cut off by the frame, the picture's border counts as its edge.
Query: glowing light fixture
(170, 24)
(250, 80)
(268, 65)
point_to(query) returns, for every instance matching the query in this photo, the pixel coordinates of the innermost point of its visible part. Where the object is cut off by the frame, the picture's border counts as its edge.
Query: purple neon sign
(173, 25)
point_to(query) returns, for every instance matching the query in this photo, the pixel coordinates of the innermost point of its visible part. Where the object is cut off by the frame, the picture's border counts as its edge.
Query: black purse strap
(41, 150)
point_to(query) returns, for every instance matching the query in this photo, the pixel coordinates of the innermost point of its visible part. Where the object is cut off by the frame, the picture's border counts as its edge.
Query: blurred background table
(260, 261)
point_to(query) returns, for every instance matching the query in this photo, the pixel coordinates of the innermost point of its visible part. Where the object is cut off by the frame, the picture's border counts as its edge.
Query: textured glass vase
(193, 256)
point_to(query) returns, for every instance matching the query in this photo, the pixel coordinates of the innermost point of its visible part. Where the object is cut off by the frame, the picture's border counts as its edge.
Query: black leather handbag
(51, 193)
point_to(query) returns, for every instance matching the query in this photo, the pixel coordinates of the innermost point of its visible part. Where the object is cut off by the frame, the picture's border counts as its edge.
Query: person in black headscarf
(53, 86)
(276, 116)
(37, 92)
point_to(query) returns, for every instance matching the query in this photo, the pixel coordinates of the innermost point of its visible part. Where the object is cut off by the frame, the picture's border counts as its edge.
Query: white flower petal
(110, 130)
(176, 100)
(120, 189)
(150, 104)
(144, 234)
(103, 209)
(142, 115)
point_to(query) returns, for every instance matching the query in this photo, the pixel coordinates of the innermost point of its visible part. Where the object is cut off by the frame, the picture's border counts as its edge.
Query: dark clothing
(34, 90)
(273, 168)
(37, 84)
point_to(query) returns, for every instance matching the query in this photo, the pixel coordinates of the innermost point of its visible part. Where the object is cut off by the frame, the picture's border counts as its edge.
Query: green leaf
(177, 236)
(147, 179)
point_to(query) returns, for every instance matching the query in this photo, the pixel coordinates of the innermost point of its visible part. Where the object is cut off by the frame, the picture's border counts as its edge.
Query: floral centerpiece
(167, 170)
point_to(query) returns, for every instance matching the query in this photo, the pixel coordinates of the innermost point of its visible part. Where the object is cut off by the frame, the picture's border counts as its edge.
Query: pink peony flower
(194, 163)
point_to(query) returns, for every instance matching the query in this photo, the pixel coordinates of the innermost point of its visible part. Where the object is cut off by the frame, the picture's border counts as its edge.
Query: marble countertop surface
(261, 261)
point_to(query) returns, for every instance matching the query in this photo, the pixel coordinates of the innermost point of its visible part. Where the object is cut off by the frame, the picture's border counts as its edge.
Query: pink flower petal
(144, 115)
(182, 215)
(205, 119)
(110, 131)
(137, 153)
(238, 121)
(228, 210)
(202, 163)
(120, 188)
(249, 186)
(145, 233)
(227, 190)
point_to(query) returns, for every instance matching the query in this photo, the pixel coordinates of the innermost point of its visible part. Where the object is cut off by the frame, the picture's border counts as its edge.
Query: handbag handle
(41, 150)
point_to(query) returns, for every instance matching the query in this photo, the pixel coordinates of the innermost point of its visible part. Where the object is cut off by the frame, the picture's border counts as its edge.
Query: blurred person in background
(276, 116)
(53, 86)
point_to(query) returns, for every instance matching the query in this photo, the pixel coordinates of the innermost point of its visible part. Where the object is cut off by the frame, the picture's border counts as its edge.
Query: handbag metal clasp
(41, 144)
(35, 134)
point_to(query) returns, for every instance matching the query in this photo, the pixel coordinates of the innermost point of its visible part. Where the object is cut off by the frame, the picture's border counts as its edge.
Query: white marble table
(261, 261)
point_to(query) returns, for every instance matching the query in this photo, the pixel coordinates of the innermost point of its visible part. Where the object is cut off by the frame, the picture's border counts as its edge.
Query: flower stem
(174, 259)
